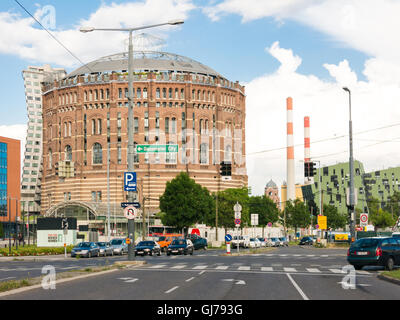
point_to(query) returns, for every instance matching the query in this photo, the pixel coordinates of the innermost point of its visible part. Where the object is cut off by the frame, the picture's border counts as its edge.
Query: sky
(304, 49)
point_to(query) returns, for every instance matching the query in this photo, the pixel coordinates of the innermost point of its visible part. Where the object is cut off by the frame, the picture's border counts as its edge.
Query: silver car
(105, 249)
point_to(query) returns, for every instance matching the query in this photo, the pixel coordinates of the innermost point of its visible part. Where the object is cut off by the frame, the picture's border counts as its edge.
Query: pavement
(293, 273)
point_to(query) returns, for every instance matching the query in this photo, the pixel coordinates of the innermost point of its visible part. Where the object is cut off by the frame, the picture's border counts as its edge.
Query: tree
(382, 219)
(265, 208)
(226, 201)
(335, 220)
(297, 214)
(185, 203)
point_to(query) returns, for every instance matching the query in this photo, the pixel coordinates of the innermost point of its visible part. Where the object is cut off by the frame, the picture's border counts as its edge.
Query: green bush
(33, 251)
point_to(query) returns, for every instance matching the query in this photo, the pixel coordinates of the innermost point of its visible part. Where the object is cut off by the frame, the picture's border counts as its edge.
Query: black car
(198, 242)
(147, 248)
(374, 252)
(306, 241)
(180, 246)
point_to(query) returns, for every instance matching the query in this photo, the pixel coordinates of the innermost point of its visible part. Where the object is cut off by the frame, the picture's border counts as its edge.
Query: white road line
(190, 279)
(131, 280)
(172, 289)
(244, 268)
(289, 270)
(182, 266)
(362, 272)
(267, 269)
(158, 266)
(336, 270)
(222, 267)
(297, 287)
(199, 267)
(313, 270)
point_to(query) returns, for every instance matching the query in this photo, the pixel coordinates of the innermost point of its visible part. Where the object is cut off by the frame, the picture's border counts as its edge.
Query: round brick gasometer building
(177, 101)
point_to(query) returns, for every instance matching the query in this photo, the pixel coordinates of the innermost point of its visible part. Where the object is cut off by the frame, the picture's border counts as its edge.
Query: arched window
(97, 153)
(228, 153)
(50, 155)
(170, 93)
(93, 126)
(139, 93)
(144, 93)
(99, 126)
(204, 153)
(69, 129)
(85, 96)
(158, 93)
(173, 125)
(68, 153)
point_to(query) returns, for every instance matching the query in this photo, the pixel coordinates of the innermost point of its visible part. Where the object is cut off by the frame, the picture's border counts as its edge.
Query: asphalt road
(294, 273)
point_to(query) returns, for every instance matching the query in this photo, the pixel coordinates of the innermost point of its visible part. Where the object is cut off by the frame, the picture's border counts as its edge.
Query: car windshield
(365, 243)
(101, 244)
(282, 239)
(116, 242)
(178, 242)
(274, 239)
(146, 243)
(84, 244)
(261, 239)
(252, 239)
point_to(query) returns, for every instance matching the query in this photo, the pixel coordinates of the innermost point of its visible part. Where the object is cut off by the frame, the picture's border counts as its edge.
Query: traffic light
(226, 169)
(306, 169)
(312, 169)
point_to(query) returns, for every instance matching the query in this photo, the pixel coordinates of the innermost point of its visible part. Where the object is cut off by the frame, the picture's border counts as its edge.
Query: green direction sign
(157, 148)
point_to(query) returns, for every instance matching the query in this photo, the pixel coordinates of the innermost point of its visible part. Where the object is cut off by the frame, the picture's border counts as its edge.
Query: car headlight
(146, 249)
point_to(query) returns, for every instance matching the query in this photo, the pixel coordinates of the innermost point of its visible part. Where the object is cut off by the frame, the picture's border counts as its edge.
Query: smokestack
(291, 191)
(307, 156)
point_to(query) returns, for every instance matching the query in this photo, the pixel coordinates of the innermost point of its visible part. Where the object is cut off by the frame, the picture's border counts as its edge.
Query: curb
(38, 286)
(388, 279)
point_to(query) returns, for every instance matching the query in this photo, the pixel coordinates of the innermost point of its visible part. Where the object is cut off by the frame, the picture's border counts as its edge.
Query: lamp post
(351, 168)
(131, 194)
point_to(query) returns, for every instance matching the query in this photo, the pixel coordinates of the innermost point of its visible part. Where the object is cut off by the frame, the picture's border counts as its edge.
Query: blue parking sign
(130, 181)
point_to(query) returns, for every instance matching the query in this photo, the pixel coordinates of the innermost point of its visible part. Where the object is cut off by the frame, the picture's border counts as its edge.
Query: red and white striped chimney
(291, 189)
(307, 154)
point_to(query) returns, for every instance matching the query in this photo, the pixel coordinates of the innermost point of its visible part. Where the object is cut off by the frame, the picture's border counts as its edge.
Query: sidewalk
(32, 258)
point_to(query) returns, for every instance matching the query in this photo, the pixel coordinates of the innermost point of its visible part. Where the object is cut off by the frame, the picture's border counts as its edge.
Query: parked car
(237, 241)
(284, 242)
(105, 249)
(165, 241)
(86, 249)
(147, 248)
(180, 246)
(255, 243)
(246, 242)
(119, 246)
(263, 241)
(275, 242)
(396, 234)
(306, 241)
(198, 242)
(374, 251)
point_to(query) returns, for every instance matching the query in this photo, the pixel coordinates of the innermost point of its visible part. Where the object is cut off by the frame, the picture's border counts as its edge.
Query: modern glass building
(10, 177)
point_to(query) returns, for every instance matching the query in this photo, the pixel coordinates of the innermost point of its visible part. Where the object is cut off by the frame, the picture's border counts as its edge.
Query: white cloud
(327, 105)
(23, 37)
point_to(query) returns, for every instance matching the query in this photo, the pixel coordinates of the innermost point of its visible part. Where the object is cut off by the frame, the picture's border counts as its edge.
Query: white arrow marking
(232, 280)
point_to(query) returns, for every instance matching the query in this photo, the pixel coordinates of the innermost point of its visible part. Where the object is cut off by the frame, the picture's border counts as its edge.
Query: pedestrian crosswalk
(254, 268)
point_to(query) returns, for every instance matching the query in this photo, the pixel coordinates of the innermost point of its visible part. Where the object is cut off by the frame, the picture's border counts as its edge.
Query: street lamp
(351, 166)
(131, 196)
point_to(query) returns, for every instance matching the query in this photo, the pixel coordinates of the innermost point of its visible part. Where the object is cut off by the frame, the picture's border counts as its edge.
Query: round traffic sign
(237, 207)
(316, 226)
(269, 224)
(130, 213)
(364, 217)
(237, 221)
(228, 238)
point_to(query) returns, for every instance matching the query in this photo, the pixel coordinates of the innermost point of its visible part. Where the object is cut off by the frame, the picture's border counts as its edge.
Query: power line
(53, 36)
(329, 139)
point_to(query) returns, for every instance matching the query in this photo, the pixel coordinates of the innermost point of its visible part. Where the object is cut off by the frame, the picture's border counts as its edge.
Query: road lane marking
(131, 280)
(313, 270)
(202, 272)
(190, 279)
(289, 270)
(297, 287)
(199, 267)
(244, 268)
(267, 269)
(158, 266)
(182, 266)
(172, 289)
(222, 267)
(336, 270)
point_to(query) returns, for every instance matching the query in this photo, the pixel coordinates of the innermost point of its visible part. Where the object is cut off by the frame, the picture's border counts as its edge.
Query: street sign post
(157, 148)
(130, 181)
(130, 204)
(130, 213)
(237, 208)
(363, 219)
(228, 239)
(65, 228)
(322, 222)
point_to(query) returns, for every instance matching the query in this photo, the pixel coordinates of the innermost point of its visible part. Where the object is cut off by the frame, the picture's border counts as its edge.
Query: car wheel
(89, 254)
(358, 267)
(168, 254)
(389, 264)
(159, 253)
(150, 253)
